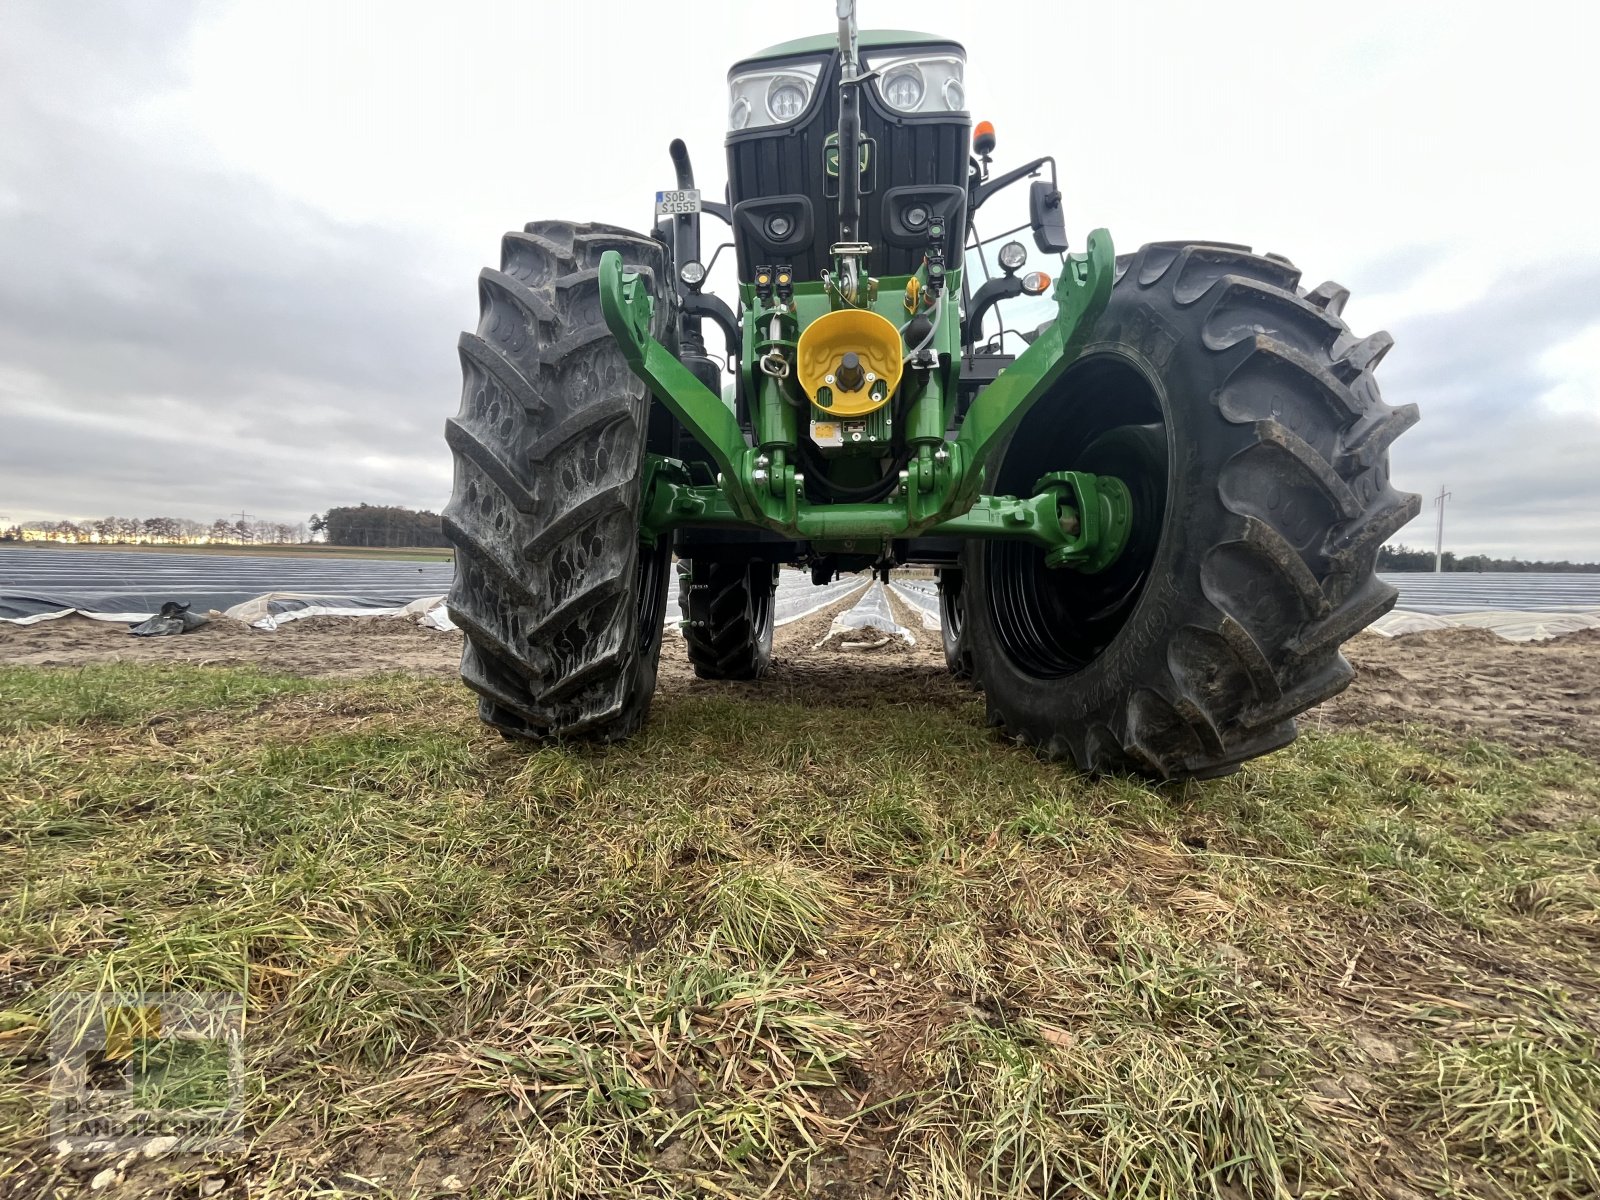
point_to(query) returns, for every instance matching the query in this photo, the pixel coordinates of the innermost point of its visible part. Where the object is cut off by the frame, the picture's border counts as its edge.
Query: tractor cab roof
(822, 43)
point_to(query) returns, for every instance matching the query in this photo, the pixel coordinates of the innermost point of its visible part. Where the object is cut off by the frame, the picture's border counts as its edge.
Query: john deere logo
(130, 1068)
(830, 154)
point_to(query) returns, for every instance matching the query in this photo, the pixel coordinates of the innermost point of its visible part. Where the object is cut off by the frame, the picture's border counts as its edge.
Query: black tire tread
(727, 624)
(544, 514)
(1279, 597)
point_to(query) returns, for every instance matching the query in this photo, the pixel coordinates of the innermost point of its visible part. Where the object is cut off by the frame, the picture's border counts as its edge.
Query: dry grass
(774, 949)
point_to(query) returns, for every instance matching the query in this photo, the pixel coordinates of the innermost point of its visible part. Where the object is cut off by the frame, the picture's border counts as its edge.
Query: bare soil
(1533, 695)
(313, 646)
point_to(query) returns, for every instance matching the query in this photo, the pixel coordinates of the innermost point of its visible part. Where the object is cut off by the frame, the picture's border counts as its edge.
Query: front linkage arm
(1081, 520)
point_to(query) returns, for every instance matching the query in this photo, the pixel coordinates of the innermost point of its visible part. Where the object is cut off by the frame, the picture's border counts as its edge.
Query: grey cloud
(92, 55)
(201, 477)
(274, 345)
(269, 348)
(1393, 270)
(1523, 479)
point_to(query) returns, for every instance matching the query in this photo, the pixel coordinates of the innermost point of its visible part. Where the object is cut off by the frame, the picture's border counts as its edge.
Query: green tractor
(1154, 518)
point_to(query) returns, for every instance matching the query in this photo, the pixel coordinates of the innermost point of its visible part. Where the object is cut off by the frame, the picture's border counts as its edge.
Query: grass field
(880, 954)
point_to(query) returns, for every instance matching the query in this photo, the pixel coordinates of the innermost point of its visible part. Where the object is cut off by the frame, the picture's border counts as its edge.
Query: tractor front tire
(727, 616)
(1245, 419)
(561, 605)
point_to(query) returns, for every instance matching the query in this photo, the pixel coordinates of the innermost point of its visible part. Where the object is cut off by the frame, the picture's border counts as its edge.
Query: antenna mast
(850, 250)
(1438, 545)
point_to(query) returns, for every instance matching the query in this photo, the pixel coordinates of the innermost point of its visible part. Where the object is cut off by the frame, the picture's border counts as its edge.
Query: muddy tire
(728, 617)
(953, 621)
(561, 606)
(1244, 416)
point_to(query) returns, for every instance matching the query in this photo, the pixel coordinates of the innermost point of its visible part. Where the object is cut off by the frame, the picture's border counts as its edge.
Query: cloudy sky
(237, 240)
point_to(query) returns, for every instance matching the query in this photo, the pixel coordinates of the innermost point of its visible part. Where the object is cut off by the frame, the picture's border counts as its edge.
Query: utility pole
(1438, 545)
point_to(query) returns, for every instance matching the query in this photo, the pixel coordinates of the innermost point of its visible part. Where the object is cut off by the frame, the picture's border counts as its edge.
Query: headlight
(771, 95)
(786, 97)
(902, 87)
(914, 83)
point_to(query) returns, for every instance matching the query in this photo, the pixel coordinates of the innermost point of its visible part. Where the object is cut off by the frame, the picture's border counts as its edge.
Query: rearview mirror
(1048, 218)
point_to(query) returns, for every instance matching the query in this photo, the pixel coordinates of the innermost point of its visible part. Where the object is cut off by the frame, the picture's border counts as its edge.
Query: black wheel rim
(1055, 622)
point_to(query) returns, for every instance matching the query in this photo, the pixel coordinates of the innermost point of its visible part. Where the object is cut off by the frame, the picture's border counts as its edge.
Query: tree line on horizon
(159, 531)
(1403, 558)
(379, 525)
(382, 525)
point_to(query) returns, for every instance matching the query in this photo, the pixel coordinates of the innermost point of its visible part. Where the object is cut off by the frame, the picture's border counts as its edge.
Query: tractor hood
(822, 43)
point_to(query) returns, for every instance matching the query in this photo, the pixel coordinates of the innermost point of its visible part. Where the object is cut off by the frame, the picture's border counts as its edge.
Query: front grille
(908, 152)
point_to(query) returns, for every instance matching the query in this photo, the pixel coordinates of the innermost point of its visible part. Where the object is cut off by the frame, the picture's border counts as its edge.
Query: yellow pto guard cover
(856, 385)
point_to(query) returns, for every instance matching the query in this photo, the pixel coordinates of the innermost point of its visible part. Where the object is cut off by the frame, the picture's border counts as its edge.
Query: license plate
(678, 203)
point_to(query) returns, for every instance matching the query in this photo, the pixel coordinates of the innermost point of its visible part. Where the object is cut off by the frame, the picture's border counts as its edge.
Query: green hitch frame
(1082, 521)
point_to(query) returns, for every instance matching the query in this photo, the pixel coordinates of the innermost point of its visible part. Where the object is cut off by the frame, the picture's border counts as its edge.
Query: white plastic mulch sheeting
(796, 598)
(278, 608)
(430, 613)
(871, 613)
(1513, 626)
(273, 609)
(794, 601)
(121, 618)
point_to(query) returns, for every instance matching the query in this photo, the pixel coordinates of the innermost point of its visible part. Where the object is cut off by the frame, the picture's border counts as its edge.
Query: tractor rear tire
(561, 605)
(953, 622)
(1244, 416)
(728, 616)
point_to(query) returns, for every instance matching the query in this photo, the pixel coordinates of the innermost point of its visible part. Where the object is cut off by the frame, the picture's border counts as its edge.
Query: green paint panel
(1080, 519)
(867, 39)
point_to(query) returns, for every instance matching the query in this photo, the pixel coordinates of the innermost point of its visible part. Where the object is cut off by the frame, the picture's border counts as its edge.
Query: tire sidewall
(1162, 342)
(952, 632)
(763, 597)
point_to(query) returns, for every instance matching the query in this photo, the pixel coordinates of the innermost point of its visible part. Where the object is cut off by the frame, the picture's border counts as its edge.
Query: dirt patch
(804, 673)
(312, 646)
(1535, 695)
